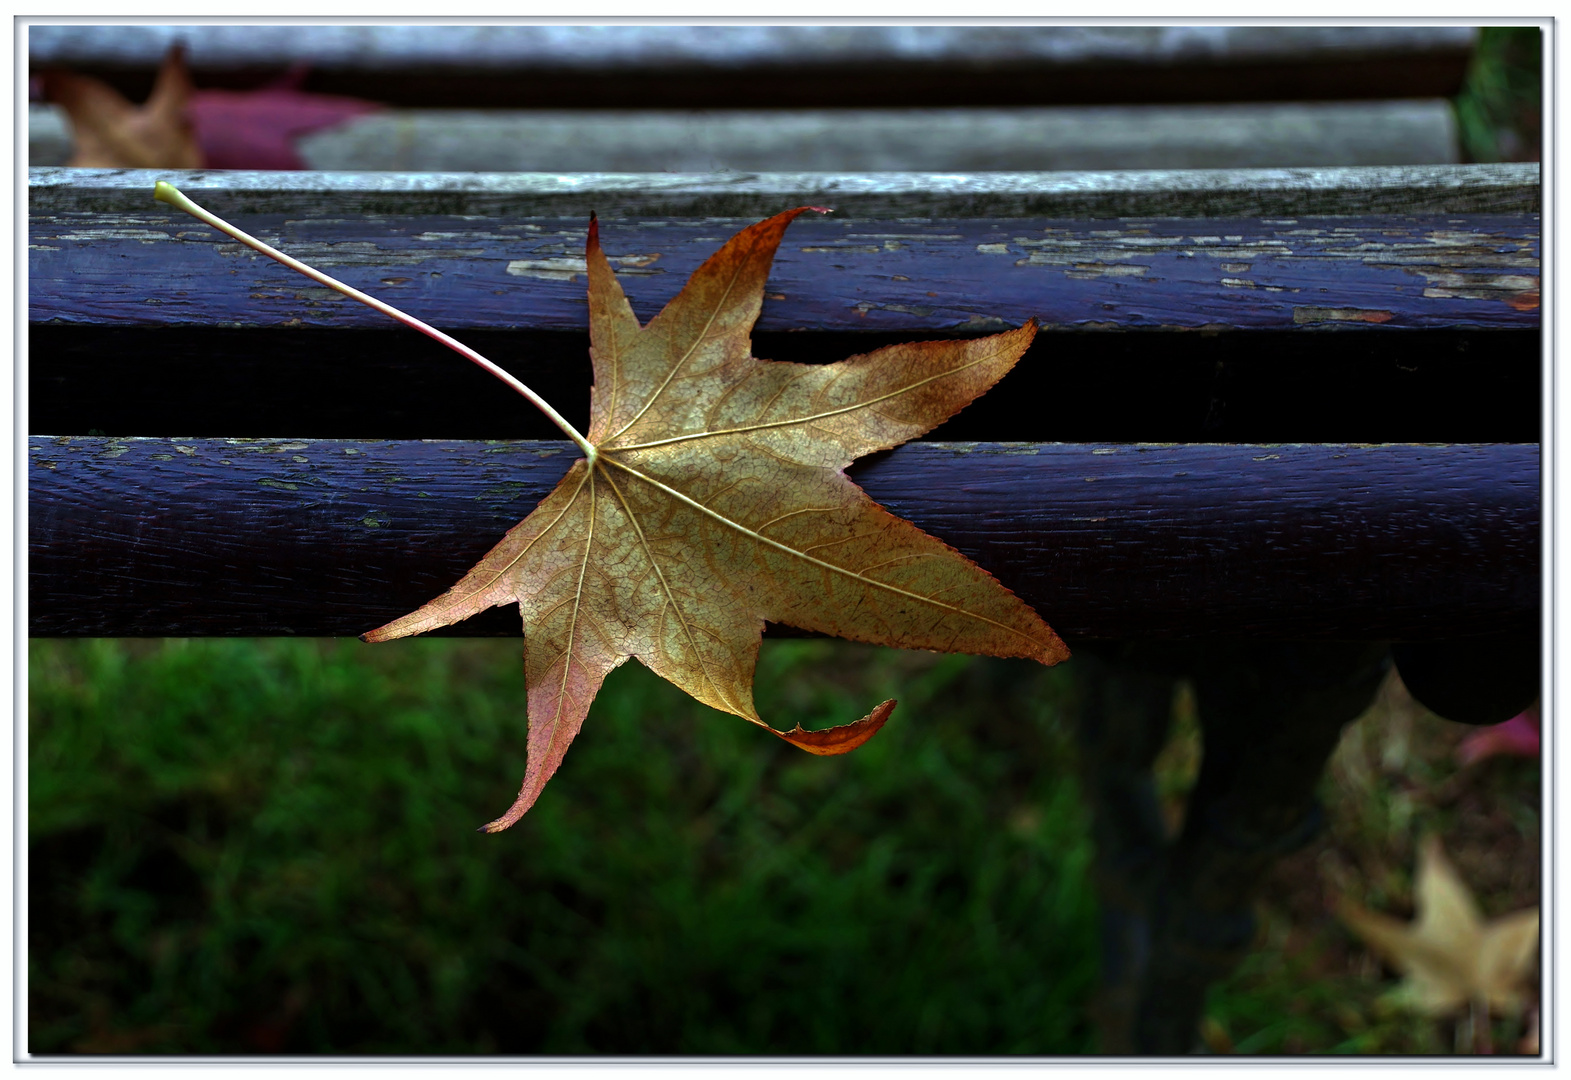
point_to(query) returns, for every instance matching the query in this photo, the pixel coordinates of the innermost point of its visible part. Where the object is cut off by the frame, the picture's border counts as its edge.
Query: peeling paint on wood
(1420, 272)
(1308, 316)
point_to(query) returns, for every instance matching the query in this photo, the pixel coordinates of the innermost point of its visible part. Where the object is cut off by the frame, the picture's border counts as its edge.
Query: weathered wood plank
(1317, 133)
(218, 536)
(639, 66)
(1234, 136)
(1511, 188)
(528, 48)
(154, 268)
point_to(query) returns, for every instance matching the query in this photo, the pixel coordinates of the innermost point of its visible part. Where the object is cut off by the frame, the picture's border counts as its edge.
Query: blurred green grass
(269, 846)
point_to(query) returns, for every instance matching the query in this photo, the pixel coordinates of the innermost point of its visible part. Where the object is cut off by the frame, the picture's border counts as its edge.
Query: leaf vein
(671, 598)
(794, 513)
(698, 339)
(514, 561)
(747, 429)
(822, 564)
(578, 603)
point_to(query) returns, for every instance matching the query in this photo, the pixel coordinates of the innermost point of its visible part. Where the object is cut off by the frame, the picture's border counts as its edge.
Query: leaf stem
(168, 193)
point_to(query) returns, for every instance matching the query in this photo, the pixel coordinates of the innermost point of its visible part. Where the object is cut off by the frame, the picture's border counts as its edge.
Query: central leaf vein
(578, 601)
(698, 339)
(671, 600)
(814, 417)
(745, 531)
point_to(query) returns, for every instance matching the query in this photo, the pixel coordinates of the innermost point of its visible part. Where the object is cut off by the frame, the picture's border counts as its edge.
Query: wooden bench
(1294, 412)
(797, 98)
(1275, 420)
(738, 67)
(1418, 327)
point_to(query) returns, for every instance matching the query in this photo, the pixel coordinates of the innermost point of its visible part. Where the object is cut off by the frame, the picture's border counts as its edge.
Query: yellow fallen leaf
(1449, 955)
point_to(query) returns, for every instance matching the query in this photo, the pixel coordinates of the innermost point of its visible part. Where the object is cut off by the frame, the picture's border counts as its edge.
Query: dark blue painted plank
(217, 536)
(154, 269)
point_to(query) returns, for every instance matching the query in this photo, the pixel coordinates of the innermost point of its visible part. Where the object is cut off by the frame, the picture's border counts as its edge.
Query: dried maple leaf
(712, 498)
(1449, 956)
(107, 131)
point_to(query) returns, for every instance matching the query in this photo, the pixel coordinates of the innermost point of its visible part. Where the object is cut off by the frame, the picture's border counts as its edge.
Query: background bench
(832, 99)
(788, 66)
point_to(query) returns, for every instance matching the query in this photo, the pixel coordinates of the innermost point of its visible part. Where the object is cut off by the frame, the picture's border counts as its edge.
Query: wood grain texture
(1502, 188)
(272, 537)
(1299, 274)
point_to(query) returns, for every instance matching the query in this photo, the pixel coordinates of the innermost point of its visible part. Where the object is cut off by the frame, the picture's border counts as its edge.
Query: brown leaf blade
(715, 500)
(109, 132)
(674, 367)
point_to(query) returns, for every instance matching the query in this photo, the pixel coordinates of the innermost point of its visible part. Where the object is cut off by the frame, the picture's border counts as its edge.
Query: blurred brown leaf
(1449, 956)
(110, 132)
(180, 127)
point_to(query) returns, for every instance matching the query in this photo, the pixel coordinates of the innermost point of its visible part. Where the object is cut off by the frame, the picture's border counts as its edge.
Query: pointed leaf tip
(842, 739)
